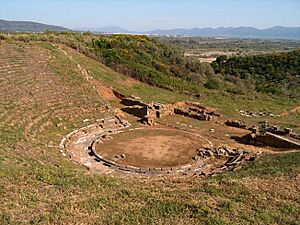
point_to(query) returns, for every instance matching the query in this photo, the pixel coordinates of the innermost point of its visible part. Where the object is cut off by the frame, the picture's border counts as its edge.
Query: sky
(143, 15)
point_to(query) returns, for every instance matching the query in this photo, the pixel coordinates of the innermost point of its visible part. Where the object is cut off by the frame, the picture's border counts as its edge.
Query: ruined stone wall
(142, 110)
(195, 110)
(197, 116)
(162, 110)
(236, 123)
(138, 111)
(150, 111)
(118, 94)
(133, 102)
(277, 141)
(196, 106)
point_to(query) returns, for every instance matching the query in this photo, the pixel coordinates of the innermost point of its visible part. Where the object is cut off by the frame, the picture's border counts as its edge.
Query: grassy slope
(227, 103)
(38, 185)
(260, 193)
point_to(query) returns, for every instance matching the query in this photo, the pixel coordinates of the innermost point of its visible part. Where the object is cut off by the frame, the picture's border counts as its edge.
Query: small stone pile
(248, 113)
(231, 159)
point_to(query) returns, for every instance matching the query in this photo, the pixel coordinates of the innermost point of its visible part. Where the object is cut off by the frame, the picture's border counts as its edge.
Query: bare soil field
(153, 147)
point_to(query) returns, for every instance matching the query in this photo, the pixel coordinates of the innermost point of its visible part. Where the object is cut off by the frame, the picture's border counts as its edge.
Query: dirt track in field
(290, 111)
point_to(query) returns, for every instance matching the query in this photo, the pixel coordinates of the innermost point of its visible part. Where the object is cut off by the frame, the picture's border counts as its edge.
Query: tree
(222, 59)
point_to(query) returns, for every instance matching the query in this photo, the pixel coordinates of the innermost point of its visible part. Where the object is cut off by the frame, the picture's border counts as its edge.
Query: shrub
(212, 84)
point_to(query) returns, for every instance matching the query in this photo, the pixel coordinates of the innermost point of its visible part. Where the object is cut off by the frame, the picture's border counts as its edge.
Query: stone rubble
(248, 113)
(232, 158)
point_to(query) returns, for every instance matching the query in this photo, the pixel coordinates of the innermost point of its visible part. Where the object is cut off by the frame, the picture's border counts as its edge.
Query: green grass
(275, 165)
(124, 84)
(9, 134)
(226, 102)
(62, 192)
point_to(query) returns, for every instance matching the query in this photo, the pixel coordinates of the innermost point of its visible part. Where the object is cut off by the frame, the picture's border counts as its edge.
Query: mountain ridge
(28, 26)
(276, 32)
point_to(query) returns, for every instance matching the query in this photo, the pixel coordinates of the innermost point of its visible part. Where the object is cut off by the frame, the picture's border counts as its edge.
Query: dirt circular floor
(152, 147)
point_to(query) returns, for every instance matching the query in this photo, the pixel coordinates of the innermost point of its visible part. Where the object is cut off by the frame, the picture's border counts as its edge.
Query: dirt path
(102, 90)
(81, 69)
(290, 111)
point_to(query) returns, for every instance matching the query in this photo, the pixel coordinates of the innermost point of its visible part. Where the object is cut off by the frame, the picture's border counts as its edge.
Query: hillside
(49, 89)
(28, 26)
(150, 61)
(137, 56)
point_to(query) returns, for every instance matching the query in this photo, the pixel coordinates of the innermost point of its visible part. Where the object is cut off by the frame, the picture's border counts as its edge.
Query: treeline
(277, 73)
(231, 44)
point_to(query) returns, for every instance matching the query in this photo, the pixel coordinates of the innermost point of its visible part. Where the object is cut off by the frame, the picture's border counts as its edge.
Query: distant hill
(27, 26)
(238, 32)
(113, 29)
(277, 32)
(243, 32)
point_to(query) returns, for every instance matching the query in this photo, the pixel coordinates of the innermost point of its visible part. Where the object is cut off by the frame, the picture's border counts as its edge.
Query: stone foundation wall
(133, 102)
(150, 111)
(236, 123)
(277, 141)
(138, 111)
(196, 106)
(197, 116)
(272, 140)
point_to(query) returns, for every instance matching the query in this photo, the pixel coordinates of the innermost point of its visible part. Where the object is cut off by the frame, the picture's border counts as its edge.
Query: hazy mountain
(112, 29)
(239, 32)
(243, 32)
(27, 26)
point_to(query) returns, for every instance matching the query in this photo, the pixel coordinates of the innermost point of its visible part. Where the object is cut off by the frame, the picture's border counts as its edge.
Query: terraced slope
(43, 94)
(46, 91)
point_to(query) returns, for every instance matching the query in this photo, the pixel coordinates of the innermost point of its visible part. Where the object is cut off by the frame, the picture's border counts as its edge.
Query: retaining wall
(274, 140)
